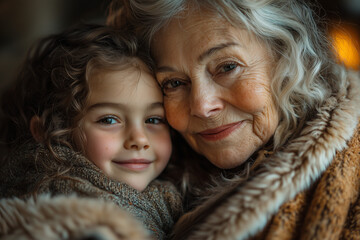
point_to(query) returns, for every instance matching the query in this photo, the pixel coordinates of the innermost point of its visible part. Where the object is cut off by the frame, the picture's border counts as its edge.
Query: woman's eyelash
(227, 67)
(171, 83)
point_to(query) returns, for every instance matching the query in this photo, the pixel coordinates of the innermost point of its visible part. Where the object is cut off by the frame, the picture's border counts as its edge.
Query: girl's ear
(36, 129)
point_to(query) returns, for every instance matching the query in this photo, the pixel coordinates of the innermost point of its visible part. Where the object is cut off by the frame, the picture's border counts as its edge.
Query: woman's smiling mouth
(221, 132)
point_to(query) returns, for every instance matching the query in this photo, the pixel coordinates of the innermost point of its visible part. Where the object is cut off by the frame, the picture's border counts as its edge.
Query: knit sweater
(32, 169)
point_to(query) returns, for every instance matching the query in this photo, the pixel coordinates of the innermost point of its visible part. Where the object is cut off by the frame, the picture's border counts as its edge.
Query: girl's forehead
(131, 69)
(110, 83)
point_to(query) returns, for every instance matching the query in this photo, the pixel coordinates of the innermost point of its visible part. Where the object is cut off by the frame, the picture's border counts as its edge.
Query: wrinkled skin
(216, 81)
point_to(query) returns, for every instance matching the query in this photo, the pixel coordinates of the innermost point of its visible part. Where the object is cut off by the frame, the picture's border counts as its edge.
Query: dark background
(22, 22)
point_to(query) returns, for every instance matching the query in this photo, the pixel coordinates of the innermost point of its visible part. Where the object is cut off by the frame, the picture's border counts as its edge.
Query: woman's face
(216, 80)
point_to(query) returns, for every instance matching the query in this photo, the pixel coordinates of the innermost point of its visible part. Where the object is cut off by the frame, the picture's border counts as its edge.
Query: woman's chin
(227, 162)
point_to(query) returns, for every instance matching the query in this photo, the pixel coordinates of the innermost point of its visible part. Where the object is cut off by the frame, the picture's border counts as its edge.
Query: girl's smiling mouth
(136, 164)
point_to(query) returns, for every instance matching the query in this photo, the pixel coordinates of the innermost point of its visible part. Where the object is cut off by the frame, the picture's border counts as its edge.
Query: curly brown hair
(53, 82)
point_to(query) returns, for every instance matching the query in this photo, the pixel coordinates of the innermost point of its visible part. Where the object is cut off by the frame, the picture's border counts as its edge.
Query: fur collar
(66, 217)
(246, 208)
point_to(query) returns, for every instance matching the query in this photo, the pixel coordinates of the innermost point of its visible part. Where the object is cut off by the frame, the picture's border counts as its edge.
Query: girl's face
(124, 126)
(216, 80)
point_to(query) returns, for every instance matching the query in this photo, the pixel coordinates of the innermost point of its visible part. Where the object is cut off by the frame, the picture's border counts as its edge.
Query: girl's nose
(136, 140)
(205, 100)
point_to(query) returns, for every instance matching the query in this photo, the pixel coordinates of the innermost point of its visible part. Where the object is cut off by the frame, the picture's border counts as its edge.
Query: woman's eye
(171, 84)
(227, 67)
(108, 120)
(155, 120)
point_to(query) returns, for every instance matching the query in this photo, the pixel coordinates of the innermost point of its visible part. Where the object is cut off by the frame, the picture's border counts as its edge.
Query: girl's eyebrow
(122, 106)
(107, 104)
(155, 105)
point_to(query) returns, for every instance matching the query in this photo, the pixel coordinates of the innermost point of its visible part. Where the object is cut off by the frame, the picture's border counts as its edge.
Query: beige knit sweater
(32, 169)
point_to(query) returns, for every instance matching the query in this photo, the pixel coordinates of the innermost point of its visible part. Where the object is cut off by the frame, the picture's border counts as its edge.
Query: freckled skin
(225, 76)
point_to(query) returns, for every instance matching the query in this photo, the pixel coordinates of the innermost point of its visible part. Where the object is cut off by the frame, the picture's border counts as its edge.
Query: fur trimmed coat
(33, 171)
(67, 218)
(309, 189)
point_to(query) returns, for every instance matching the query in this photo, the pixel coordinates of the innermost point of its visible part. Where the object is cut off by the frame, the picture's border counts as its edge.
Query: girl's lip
(221, 132)
(134, 164)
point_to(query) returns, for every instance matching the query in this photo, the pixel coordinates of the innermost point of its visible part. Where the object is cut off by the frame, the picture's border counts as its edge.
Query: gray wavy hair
(305, 73)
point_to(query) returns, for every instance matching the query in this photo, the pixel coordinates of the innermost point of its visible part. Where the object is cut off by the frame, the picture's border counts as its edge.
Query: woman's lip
(134, 164)
(221, 132)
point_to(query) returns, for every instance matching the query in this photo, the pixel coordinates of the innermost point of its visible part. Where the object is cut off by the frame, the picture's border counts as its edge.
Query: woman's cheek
(177, 114)
(165, 145)
(256, 99)
(250, 97)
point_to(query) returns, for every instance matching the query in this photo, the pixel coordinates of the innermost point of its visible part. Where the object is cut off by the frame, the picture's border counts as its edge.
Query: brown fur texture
(71, 218)
(309, 189)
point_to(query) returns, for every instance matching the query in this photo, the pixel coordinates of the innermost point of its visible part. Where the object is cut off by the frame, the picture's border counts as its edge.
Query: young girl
(86, 117)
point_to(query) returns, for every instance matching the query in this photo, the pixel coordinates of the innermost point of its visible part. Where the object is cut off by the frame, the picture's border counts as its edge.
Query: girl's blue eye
(154, 120)
(108, 120)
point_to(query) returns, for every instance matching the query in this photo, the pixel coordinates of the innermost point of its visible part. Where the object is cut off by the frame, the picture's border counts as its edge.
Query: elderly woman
(253, 87)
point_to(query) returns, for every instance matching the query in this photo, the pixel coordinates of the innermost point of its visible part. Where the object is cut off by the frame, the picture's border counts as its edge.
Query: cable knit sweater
(32, 169)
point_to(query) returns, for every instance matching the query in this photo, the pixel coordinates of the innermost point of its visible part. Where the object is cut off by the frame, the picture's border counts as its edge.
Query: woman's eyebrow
(164, 69)
(202, 56)
(214, 49)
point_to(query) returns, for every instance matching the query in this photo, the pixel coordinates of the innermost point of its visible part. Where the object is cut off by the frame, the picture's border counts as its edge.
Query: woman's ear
(36, 129)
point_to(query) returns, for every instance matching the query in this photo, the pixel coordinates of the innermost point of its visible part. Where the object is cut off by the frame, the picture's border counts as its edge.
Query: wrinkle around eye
(229, 77)
(228, 67)
(235, 66)
(173, 85)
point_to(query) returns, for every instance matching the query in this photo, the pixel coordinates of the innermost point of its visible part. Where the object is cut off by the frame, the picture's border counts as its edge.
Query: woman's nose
(205, 100)
(136, 140)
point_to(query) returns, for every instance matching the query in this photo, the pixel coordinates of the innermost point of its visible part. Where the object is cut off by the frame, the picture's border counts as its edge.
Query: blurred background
(344, 27)
(22, 22)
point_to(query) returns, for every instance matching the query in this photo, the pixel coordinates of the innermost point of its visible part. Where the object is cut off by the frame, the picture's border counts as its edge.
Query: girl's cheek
(100, 147)
(163, 143)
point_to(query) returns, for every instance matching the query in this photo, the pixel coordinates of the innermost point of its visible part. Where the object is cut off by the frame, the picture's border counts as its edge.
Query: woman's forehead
(198, 32)
(194, 18)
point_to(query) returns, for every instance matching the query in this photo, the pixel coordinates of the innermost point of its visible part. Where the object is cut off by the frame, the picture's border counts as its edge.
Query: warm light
(346, 42)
